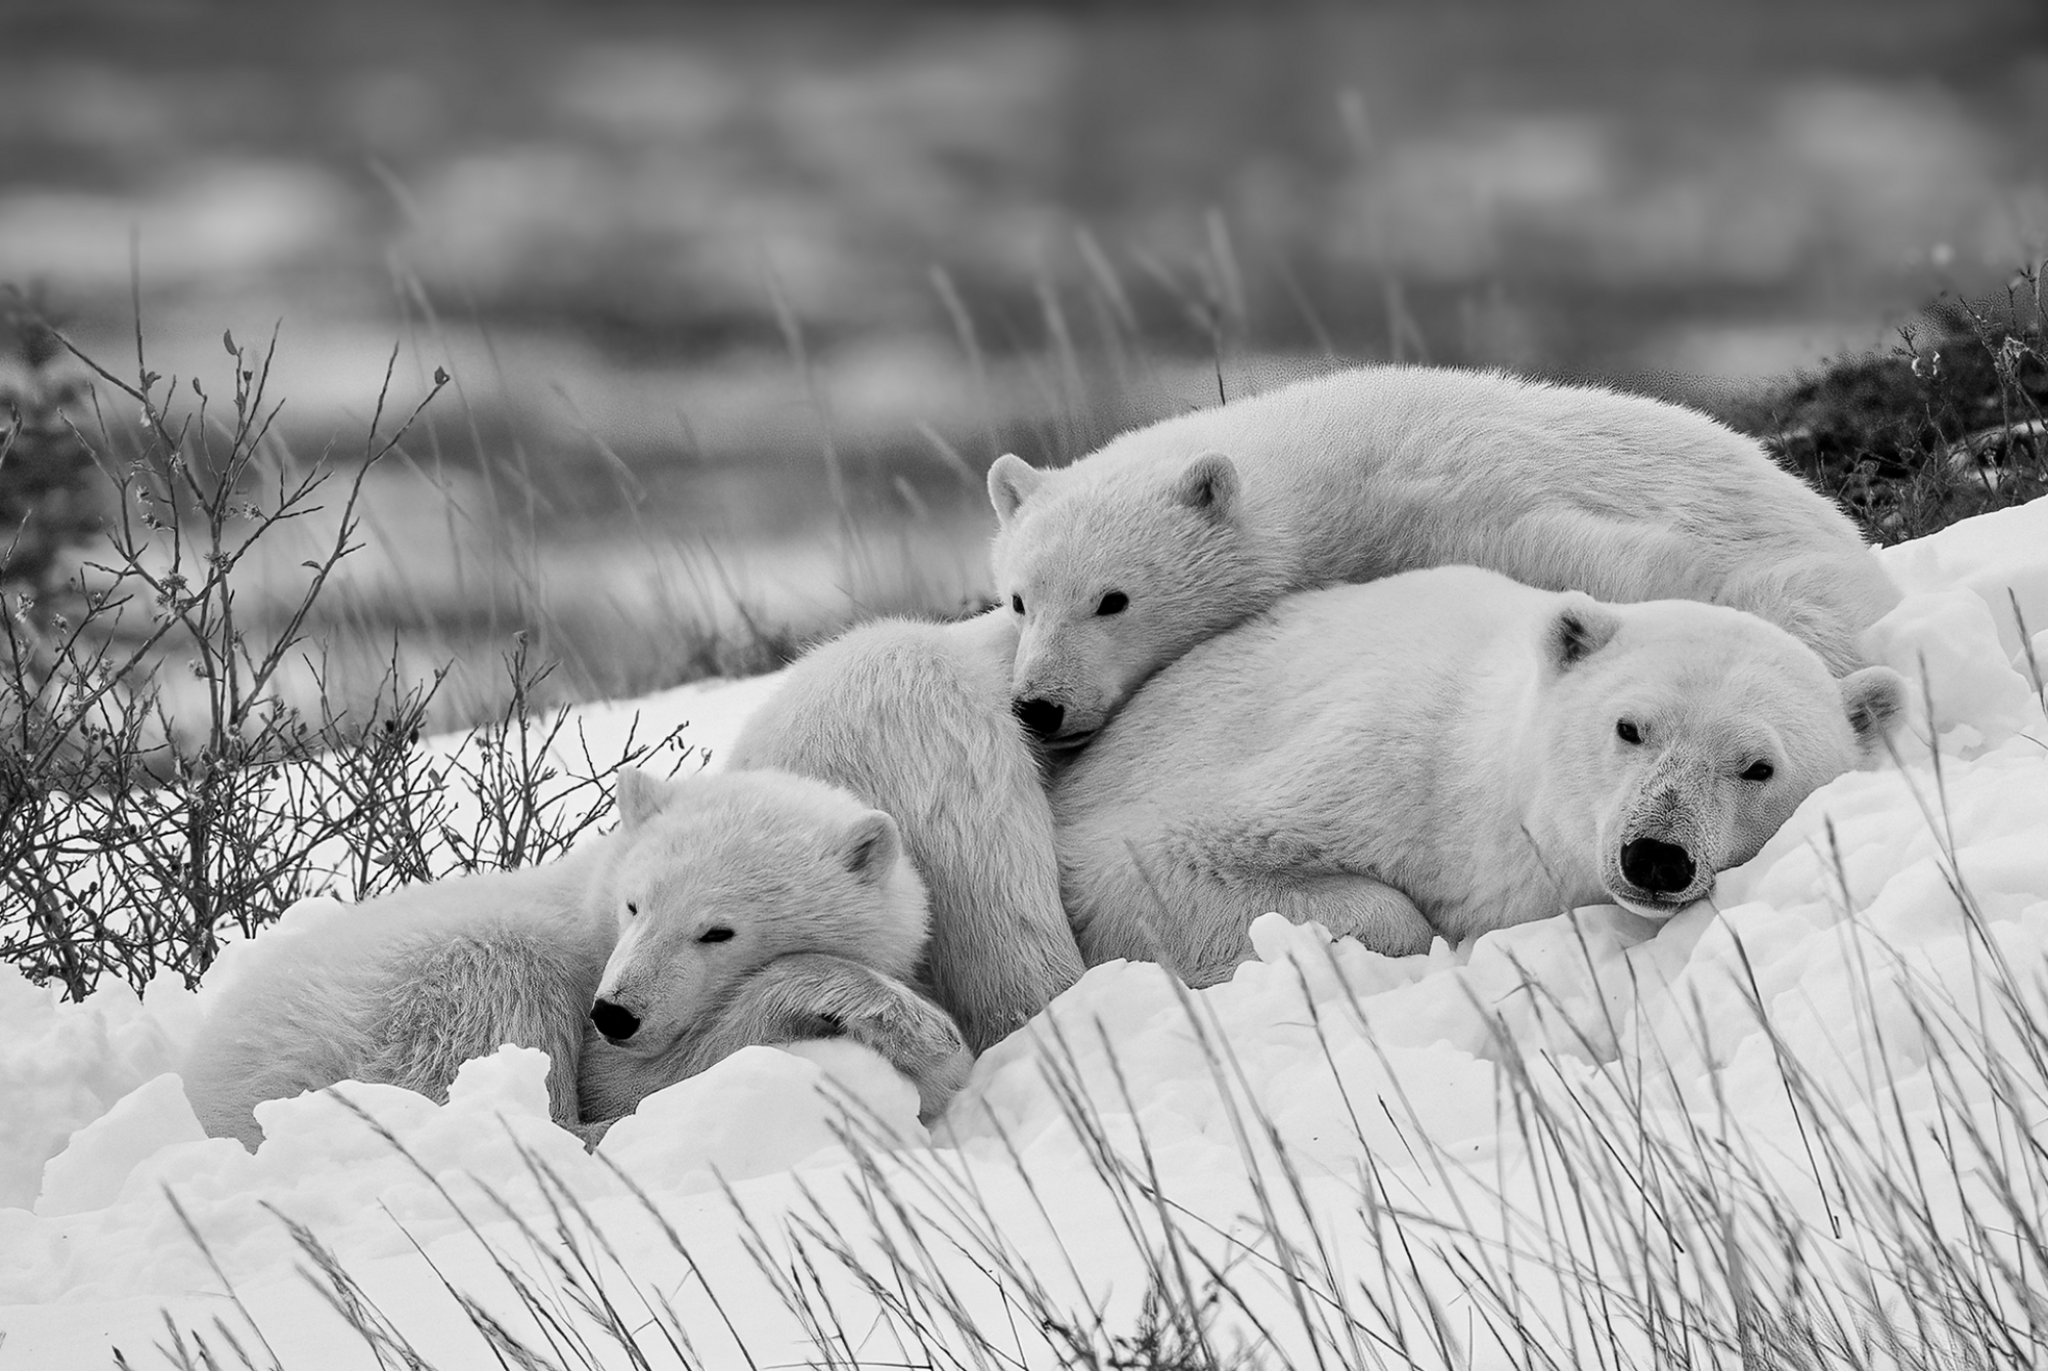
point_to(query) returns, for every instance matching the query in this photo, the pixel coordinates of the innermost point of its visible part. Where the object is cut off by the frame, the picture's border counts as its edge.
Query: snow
(1768, 1018)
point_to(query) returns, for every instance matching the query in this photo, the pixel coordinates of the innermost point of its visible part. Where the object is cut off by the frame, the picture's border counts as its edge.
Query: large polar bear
(915, 719)
(1441, 753)
(1172, 533)
(722, 911)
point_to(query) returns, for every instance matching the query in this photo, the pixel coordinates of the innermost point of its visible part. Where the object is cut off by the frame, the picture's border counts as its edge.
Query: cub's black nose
(1662, 868)
(615, 1021)
(1042, 717)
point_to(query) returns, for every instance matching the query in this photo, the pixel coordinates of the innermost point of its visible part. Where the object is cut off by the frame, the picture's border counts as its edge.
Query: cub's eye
(1017, 604)
(632, 908)
(1626, 730)
(715, 935)
(1759, 771)
(1113, 603)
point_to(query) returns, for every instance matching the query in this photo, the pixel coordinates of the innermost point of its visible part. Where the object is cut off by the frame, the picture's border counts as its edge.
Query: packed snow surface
(1841, 959)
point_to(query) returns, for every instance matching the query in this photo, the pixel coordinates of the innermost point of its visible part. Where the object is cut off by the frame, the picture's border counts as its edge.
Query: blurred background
(738, 302)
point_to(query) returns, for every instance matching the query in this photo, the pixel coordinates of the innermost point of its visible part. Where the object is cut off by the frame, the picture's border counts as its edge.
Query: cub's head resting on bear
(718, 892)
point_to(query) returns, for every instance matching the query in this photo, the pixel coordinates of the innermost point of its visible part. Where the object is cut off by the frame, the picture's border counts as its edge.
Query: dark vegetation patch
(52, 496)
(1948, 424)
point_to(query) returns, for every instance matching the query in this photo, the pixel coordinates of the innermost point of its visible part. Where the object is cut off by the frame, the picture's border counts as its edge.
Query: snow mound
(1801, 998)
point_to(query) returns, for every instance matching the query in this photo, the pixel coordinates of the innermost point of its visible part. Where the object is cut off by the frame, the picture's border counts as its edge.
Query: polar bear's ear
(1010, 483)
(1874, 698)
(640, 796)
(1581, 628)
(871, 847)
(1208, 485)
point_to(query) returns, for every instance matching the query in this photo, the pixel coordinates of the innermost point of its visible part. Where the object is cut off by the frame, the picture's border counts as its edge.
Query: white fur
(1438, 753)
(915, 719)
(406, 987)
(779, 864)
(1206, 518)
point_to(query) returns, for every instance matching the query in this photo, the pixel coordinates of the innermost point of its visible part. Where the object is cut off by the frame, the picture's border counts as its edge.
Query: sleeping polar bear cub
(722, 911)
(1446, 752)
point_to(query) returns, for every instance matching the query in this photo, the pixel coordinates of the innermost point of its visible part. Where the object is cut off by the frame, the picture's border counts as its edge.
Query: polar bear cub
(1442, 753)
(721, 911)
(759, 907)
(1170, 534)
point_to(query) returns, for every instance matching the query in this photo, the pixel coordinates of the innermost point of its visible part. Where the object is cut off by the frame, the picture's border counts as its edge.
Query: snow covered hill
(1814, 1115)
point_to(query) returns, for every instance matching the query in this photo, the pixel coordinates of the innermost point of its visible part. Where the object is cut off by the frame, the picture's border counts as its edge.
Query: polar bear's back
(1484, 433)
(1375, 470)
(915, 719)
(1430, 633)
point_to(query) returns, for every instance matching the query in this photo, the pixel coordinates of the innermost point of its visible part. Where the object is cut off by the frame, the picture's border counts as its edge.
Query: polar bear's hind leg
(469, 996)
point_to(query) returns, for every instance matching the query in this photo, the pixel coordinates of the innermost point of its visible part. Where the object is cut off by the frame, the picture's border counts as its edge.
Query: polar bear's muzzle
(1661, 848)
(1050, 724)
(1656, 876)
(614, 1020)
(1041, 717)
(1662, 868)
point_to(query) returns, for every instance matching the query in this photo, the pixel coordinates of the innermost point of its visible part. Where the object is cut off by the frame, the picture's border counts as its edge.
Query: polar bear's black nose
(615, 1021)
(1662, 868)
(1042, 717)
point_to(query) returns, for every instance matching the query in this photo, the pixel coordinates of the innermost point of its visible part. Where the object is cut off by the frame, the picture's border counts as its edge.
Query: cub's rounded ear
(1010, 483)
(1208, 485)
(1580, 628)
(871, 847)
(1874, 699)
(640, 796)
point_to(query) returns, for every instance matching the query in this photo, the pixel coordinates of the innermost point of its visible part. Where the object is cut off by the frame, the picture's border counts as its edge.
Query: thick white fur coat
(1442, 753)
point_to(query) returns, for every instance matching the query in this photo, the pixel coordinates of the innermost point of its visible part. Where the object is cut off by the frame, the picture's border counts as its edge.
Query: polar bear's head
(1111, 578)
(718, 876)
(1680, 736)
